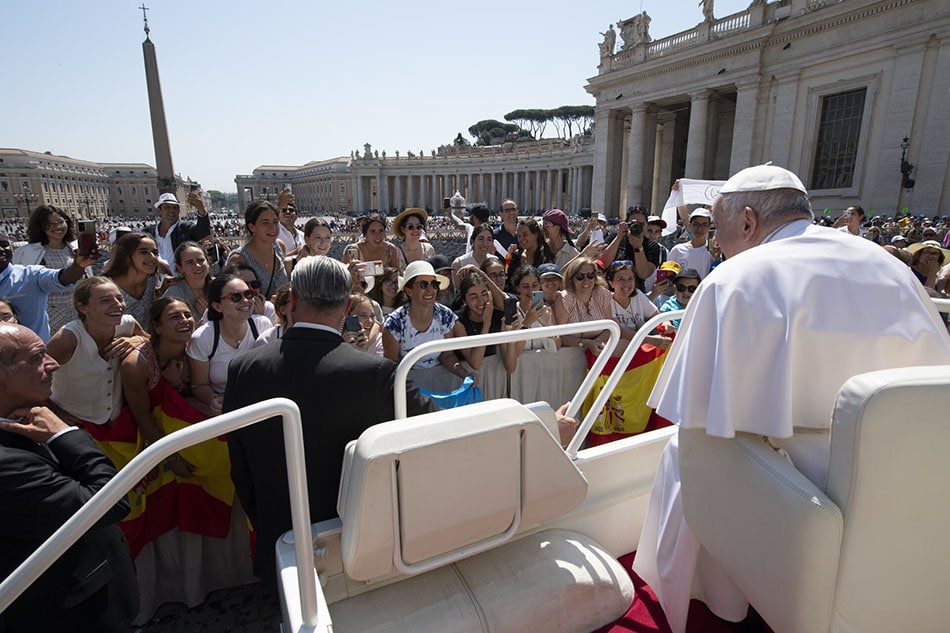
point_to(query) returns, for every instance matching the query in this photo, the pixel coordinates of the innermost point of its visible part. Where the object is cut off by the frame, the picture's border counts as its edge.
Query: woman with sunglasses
(262, 305)
(51, 243)
(231, 328)
(420, 320)
(630, 307)
(386, 291)
(409, 226)
(585, 298)
(532, 249)
(482, 242)
(194, 277)
(684, 285)
(261, 251)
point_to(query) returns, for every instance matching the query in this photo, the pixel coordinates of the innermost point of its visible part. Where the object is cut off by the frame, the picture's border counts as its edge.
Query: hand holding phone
(511, 309)
(88, 241)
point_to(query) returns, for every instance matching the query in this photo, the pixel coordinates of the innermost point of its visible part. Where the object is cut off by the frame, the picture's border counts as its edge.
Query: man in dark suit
(170, 231)
(48, 470)
(340, 390)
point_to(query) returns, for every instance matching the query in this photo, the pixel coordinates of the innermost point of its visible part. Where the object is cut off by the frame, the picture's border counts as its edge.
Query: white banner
(690, 191)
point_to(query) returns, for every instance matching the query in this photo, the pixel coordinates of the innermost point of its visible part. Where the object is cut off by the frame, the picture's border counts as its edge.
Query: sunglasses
(424, 285)
(288, 210)
(620, 264)
(583, 276)
(414, 227)
(682, 288)
(236, 297)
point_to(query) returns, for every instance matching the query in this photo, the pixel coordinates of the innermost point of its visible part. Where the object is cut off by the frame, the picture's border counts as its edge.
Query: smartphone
(511, 309)
(663, 275)
(597, 235)
(194, 187)
(586, 213)
(446, 204)
(352, 323)
(537, 299)
(371, 269)
(88, 240)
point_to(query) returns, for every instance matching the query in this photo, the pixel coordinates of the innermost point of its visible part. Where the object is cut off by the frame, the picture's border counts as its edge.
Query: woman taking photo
(87, 389)
(51, 244)
(373, 247)
(409, 226)
(194, 276)
(483, 245)
(479, 315)
(261, 251)
(368, 337)
(386, 291)
(422, 320)
(532, 249)
(132, 268)
(533, 313)
(231, 328)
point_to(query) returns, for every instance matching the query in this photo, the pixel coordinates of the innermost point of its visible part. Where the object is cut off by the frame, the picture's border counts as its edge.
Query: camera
(636, 227)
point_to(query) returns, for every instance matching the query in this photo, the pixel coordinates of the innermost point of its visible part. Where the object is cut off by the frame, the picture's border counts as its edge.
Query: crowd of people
(182, 323)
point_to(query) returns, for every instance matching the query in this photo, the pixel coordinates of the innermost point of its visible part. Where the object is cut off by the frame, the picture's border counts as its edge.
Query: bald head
(26, 370)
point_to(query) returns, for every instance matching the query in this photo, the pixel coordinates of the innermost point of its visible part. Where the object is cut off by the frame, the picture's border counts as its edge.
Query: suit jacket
(341, 391)
(185, 230)
(92, 586)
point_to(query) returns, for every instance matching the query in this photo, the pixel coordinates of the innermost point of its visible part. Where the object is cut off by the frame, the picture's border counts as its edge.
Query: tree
(485, 131)
(221, 200)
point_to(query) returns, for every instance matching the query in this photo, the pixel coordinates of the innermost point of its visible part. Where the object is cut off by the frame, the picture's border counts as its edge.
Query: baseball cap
(763, 178)
(549, 269)
(655, 219)
(700, 213)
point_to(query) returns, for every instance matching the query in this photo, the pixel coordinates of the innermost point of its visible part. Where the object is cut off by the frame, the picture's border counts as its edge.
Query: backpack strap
(250, 323)
(216, 326)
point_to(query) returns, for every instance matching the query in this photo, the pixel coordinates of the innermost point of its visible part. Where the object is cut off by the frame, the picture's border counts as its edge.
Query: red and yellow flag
(200, 504)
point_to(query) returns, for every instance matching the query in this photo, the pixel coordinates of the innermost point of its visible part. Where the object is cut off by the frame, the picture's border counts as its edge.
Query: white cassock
(766, 343)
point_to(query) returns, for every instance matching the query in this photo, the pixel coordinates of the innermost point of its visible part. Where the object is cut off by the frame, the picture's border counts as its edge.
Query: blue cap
(549, 269)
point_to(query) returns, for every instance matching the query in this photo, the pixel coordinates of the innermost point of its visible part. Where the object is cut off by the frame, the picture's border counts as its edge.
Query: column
(360, 203)
(559, 201)
(382, 193)
(493, 191)
(744, 128)
(635, 158)
(607, 159)
(435, 200)
(661, 156)
(410, 191)
(398, 200)
(516, 190)
(696, 143)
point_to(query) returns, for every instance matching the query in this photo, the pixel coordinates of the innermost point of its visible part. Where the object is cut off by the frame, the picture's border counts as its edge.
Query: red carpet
(645, 614)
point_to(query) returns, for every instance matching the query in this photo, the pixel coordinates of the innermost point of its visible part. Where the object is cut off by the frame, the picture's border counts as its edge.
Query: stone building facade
(82, 188)
(826, 88)
(319, 186)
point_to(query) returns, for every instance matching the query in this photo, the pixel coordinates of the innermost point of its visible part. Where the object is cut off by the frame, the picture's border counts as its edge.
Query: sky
(283, 83)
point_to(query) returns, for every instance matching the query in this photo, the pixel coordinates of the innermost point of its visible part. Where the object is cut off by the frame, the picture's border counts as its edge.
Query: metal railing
(38, 562)
(450, 344)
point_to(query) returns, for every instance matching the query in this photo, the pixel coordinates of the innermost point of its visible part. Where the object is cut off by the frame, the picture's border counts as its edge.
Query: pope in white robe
(767, 341)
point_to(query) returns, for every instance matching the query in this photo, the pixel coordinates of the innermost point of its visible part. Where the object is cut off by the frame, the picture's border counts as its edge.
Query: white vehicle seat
(868, 553)
(426, 495)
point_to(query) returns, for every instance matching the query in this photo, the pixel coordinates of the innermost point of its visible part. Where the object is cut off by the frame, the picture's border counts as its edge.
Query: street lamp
(458, 203)
(906, 167)
(26, 197)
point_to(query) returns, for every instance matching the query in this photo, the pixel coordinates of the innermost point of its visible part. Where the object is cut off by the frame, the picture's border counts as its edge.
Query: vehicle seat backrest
(442, 484)
(889, 473)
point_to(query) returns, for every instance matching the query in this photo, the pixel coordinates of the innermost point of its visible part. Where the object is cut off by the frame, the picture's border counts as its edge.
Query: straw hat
(400, 220)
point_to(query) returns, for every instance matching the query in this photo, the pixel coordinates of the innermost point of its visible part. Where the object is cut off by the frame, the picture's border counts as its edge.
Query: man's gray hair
(321, 283)
(773, 206)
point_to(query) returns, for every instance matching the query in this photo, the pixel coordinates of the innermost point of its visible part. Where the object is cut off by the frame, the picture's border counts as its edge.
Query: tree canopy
(567, 120)
(484, 132)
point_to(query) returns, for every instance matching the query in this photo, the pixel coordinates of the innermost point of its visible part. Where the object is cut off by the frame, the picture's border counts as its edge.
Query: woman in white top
(630, 307)
(483, 245)
(231, 329)
(410, 226)
(87, 389)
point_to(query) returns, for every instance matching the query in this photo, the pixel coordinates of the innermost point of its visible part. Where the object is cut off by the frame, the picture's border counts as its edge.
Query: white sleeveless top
(88, 386)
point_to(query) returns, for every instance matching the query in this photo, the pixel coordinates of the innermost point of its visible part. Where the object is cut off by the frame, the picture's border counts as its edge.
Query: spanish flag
(626, 412)
(200, 504)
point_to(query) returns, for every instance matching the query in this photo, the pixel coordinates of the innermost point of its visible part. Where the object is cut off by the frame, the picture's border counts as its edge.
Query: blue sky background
(281, 82)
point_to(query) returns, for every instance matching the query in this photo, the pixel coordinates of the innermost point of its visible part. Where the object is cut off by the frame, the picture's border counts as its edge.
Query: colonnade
(534, 190)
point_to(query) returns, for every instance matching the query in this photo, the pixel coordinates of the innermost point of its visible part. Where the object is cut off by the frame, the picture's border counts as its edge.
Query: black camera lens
(636, 228)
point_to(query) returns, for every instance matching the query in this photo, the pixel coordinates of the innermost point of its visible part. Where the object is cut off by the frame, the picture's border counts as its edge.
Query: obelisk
(163, 152)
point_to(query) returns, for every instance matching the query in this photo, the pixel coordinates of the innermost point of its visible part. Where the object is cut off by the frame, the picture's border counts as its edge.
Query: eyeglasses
(682, 288)
(700, 225)
(583, 276)
(414, 227)
(424, 285)
(54, 223)
(288, 210)
(236, 297)
(498, 275)
(390, 282)
(622, 263)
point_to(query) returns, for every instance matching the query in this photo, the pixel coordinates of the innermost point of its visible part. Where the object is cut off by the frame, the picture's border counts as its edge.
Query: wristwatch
(637, 250)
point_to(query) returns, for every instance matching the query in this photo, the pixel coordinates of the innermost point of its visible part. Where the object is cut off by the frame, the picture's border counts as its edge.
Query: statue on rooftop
(367, 150)
(610, 40)
(635, 31)
(707, 6)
